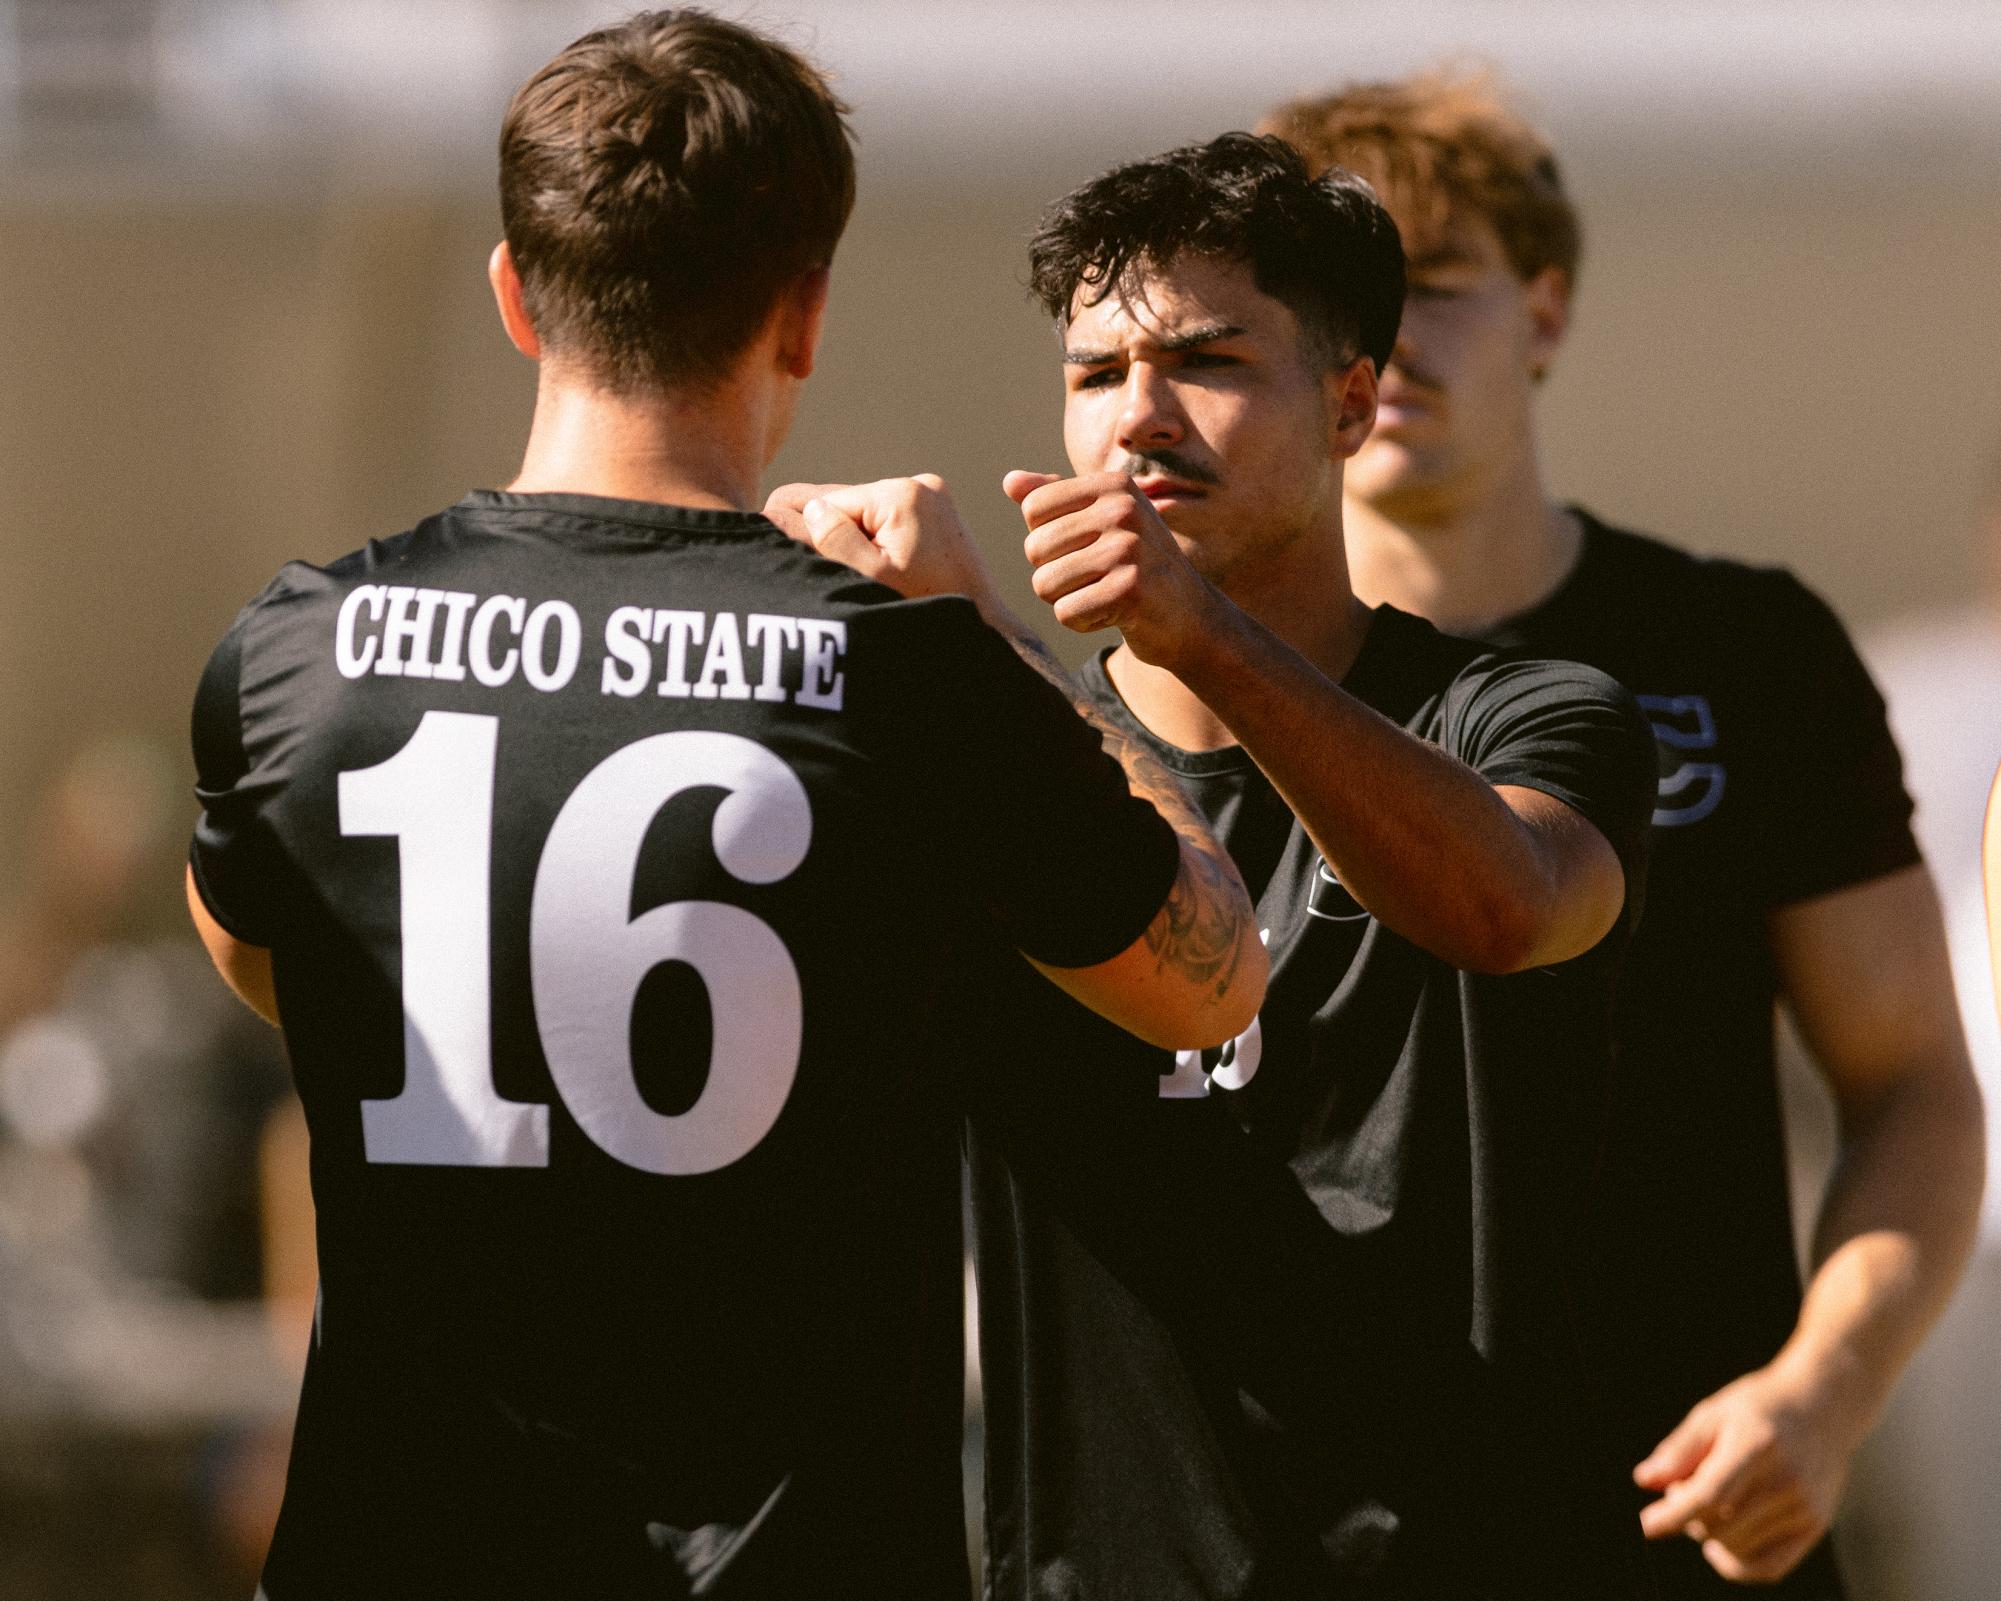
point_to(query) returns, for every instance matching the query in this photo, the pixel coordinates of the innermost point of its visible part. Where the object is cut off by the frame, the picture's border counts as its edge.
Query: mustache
(1169, 464)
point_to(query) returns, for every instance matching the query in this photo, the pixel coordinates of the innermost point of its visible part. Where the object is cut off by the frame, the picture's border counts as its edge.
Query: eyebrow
(1207, 334)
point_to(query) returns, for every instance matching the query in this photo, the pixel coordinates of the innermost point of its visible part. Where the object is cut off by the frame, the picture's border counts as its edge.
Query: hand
(1104, 559)
(903, 532)
(1753, 1473)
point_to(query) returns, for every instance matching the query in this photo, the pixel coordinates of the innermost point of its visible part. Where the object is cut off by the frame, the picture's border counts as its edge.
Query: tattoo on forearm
(1202, 928)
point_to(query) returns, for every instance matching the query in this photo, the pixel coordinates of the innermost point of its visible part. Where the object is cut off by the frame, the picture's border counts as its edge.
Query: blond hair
(1438, 141)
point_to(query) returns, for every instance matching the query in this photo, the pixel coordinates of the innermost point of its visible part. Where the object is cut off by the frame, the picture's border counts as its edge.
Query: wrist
(1832, 1382)
(1205, 638)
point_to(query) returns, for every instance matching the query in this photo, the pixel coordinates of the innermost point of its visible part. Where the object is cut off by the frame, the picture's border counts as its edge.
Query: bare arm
(1491, 879)
(1205, 932)
(1757, 1469)
(1196, 977)
(246, 969)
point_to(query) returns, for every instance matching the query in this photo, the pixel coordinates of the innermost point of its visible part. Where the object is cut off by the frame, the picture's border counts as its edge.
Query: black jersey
(1779, 781)
(613, 859)
(1442, 1125)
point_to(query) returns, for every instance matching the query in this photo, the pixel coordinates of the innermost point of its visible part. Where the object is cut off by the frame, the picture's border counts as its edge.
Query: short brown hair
(1440, 140)
(661, 183)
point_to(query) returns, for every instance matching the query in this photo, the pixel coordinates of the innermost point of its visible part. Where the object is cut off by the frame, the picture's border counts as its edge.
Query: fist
(1102, 558)
(903, 532)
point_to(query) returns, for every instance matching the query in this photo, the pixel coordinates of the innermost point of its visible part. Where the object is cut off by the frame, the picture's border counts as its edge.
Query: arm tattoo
(1202, 927)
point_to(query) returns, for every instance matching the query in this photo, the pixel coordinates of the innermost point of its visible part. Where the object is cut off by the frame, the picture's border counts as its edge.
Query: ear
(1351, 406)
(802, 312)
(1547, 296)
(507, 295)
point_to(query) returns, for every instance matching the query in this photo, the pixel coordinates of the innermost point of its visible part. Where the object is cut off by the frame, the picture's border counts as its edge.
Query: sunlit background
(242, 250)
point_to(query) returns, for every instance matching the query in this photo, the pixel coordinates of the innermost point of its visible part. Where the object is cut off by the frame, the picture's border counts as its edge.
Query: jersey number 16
(587, 957)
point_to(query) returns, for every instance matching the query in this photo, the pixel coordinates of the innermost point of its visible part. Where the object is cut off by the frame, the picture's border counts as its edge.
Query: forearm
(1417, 837)
(1206, 933)
(1892, 1238)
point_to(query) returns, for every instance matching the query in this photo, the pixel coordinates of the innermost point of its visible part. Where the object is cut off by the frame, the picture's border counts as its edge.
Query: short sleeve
(1572, 733)
(1036, 822)
(1834, 809)
(232, 855)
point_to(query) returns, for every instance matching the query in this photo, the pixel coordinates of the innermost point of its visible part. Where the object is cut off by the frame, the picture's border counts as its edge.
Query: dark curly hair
(661, 183)
(1324, 246)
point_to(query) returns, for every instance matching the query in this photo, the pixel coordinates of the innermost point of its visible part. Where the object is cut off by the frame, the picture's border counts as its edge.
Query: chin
(1385, 469)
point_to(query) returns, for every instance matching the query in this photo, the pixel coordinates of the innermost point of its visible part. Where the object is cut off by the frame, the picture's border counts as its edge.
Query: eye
(1096, 378)
(1210, 358)
(1432, 289)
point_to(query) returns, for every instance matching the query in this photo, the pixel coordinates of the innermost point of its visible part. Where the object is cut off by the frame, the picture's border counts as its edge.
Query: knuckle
(1120, 586)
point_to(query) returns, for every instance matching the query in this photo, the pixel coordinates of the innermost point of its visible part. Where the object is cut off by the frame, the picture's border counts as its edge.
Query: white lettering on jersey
(353, 655)
(489, 672)
(775, 635)
(407, 631)
(534, 644)
(826, 642)
(722, 667)
(627, 663)
(679, 629)
(451, 654)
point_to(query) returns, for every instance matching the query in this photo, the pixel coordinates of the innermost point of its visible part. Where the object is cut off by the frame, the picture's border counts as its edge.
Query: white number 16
(587, 957)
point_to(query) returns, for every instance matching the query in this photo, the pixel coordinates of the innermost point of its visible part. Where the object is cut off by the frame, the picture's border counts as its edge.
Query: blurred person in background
(1784, 867)
(142, 1400)
(1923, 1525)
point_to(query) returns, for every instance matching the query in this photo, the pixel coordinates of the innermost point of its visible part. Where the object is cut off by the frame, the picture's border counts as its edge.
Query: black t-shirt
(1442, 1124)
(1779, 781)
(613, 859)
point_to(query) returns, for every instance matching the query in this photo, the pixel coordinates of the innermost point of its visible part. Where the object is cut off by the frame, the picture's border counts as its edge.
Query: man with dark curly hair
(1447, 846)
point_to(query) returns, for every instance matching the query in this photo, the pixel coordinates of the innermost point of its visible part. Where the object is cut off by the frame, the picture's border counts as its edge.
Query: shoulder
(1699, 588)
(1507, 697)
(1465, 673)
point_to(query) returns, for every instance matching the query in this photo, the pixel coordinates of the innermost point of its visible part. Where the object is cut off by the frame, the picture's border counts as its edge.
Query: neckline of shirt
(651, 514)
(1575, 583)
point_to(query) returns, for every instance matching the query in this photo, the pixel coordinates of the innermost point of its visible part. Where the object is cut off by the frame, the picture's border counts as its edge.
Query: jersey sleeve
(1834, 809)
(1572, 733)
(1034, 821)
(233, 854)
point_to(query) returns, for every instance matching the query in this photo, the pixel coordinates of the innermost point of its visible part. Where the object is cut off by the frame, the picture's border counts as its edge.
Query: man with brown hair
(607, 855)
(1783, 867)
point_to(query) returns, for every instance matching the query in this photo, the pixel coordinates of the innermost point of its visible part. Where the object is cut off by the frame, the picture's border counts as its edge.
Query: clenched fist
(1104, 559)
(903, 532)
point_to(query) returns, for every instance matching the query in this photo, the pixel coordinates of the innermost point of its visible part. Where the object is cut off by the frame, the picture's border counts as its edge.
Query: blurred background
(242, 251)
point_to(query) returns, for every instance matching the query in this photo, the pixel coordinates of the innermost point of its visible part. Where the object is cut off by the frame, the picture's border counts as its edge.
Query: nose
(1149, 418)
